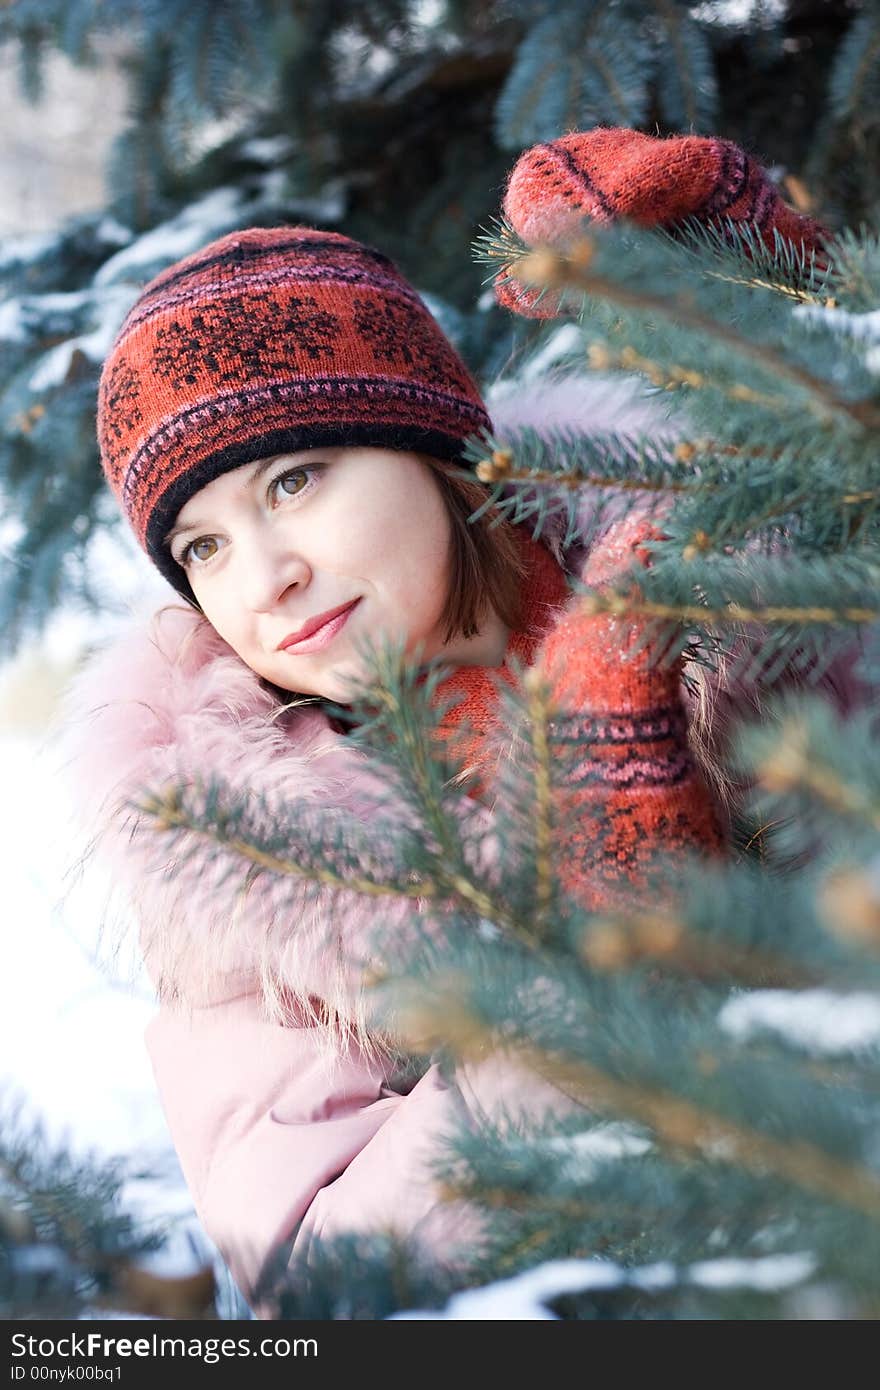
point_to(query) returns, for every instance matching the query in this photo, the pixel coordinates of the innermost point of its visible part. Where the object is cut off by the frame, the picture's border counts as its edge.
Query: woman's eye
(195, 550)
(298, 478)
(294, 482)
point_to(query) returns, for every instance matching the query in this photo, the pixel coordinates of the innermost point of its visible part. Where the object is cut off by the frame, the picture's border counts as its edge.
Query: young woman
(277, 418)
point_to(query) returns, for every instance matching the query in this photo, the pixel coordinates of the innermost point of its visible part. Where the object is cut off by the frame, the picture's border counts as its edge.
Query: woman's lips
(323, 635)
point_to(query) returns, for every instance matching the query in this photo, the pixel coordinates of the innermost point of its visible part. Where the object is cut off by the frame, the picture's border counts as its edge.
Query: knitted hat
(267, 341)
(609, 173)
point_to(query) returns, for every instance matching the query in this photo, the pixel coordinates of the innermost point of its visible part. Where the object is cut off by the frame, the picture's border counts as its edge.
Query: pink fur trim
(183, 707)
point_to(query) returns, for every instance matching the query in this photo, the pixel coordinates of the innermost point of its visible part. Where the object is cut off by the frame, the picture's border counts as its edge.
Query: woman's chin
(345, 681)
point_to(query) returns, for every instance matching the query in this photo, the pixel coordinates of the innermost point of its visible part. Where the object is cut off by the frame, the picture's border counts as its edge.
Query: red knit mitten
(636, 796)
(609, 173)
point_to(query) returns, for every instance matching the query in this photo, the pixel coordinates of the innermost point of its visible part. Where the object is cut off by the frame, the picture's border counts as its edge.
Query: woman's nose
(269, 566)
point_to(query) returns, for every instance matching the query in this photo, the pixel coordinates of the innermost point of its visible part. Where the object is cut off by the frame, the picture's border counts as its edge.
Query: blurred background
(136, 130)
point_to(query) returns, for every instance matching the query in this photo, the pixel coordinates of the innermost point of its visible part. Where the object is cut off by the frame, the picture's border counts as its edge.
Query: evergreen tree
(68, 1245)
(721, 1031)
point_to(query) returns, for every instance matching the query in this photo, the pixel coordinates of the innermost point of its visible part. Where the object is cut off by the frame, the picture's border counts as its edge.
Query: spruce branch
(513, 1198)
(794, 764)
(855, 499)
(65, 1240)
(675, 464)
(681, 1124)
(419, 766)
(849, 899)
(632, 605)
(622, 940)
(168, 812)
(540, 711)
(678, 1123)
(686, 73)
(745, 259)
(684, 468)
(669, 376)
(398, 708)
(856, 266)
(857, 59)
(500, 468)
(552, 269)
(788, 269)
(452, 885)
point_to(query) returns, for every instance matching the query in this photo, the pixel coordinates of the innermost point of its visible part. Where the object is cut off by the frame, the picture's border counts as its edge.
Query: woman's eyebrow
(261, 467)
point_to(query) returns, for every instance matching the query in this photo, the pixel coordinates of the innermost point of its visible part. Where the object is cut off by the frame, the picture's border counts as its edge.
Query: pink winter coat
(288, 1128)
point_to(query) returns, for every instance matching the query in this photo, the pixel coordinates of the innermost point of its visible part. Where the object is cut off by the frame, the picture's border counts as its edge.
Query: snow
(768, 1274)
(574, 401)
(109, 230)
(268, 149)
(818, 1020)
(583, 1154)
(329, 206)
(58, 301)
(43, 1260)
(216, 212)
(53, 366)
(525, 1296)
(862, 328)
(12, 322)
(72, 1020)
(561, 343)
(119, 280)
(26, 247)
(178, 237)
(487, 931)
(737, 11)
(19, 313)
(71, 1024)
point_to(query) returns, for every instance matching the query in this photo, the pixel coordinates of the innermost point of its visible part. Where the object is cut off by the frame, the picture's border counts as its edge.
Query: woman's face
(274, 544)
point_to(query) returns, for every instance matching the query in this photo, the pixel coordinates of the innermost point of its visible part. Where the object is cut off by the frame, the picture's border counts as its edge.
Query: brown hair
(486, 566)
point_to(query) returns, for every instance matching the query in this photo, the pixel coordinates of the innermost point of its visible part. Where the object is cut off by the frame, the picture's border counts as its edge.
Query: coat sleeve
(280, 1146)
(636, 796)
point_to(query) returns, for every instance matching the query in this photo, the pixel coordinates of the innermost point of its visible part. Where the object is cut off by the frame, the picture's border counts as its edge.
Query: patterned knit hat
(267, 341)
(608, 173)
